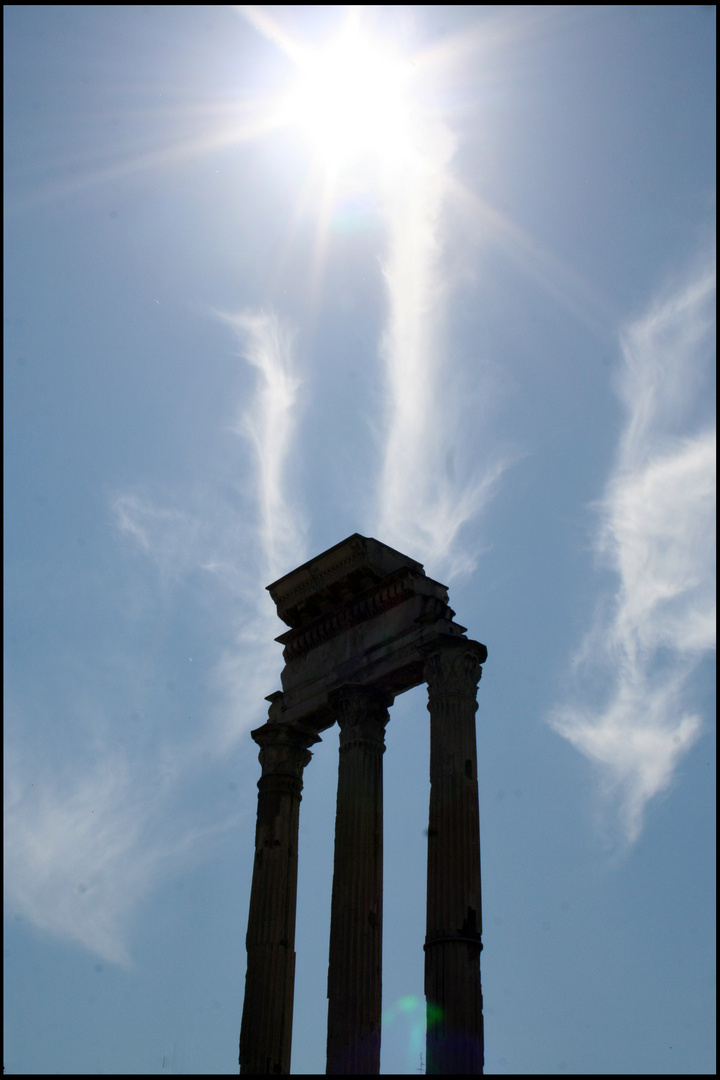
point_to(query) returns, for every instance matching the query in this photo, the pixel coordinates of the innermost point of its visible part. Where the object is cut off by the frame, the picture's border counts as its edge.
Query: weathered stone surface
(266, 1032)
(326, 582)
(370, 621)
(355, 963)
(454, 920)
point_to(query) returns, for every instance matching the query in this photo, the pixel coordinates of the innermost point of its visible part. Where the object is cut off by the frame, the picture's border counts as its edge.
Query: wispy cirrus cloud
(180, 537)
(82, 849)
(423, 498)
(168, 535)
(657, 532)
(244, 545)
(270, 423)
(250, 666)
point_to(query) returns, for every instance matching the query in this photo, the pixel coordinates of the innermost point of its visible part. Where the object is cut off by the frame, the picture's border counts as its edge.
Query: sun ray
(499, 30)
(230, 134)
(323, 201)
(565, 285)
(272, 30)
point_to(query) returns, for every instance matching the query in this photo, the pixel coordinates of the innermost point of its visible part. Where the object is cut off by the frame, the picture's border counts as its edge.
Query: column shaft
(454, 922)
(266, 1032)
(355, 963)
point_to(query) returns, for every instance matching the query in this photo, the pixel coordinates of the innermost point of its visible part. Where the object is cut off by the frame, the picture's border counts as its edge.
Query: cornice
(391, 592)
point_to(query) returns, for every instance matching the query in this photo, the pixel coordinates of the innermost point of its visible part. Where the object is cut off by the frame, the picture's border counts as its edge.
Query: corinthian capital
(454, 670)
(362, 714)
(283, 747)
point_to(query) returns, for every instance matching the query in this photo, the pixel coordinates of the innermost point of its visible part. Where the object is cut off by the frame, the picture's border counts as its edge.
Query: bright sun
(351, 100)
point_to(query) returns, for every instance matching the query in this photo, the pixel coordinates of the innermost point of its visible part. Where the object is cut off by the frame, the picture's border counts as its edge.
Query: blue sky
(479, 326)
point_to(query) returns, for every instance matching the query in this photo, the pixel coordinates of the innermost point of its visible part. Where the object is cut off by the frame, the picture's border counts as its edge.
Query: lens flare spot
(434, 1014)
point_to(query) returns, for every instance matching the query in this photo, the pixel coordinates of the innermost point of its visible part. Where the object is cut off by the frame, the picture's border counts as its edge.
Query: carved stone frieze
(381, 599)
(329, 580)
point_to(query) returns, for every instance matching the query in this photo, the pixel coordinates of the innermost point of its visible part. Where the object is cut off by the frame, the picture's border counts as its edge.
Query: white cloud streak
(82, 849)
(249, 670)
(422, 504)
(167, 535)
(241, 549)
(657, 532)
(269, 424)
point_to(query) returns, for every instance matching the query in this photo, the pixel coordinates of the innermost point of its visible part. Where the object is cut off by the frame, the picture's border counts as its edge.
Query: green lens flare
(434, 1014)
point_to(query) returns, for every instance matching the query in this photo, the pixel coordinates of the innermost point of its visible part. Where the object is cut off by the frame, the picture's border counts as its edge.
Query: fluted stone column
(452, 944)
(355, 966)
(266, 1033)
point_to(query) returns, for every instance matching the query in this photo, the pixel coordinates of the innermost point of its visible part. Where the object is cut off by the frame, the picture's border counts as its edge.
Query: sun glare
(351, 100)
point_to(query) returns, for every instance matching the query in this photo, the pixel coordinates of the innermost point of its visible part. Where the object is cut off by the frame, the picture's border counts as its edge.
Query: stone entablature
(361, 614)
(328, 580)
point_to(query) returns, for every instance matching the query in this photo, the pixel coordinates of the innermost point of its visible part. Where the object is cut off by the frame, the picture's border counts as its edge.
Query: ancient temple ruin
(366, 624)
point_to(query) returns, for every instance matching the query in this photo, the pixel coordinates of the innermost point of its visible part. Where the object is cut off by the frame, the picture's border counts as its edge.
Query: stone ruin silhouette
(366, 624)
